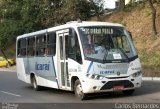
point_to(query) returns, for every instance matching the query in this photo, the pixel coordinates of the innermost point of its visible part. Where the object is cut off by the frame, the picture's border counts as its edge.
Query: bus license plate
(117, 88)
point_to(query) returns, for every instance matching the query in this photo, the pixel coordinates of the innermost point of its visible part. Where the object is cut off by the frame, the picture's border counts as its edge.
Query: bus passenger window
(41, 45)
(21, 48)
(51, 43)
(74, 48)
(31, 47)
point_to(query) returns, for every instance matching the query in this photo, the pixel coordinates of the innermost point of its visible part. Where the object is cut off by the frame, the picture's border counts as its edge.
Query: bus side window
(31, 46)
(51, 43)
(74, 48)
(21, 48)
(122, 43)
(41, 45)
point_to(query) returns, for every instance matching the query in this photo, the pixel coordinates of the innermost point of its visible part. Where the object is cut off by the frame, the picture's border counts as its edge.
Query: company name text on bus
(42, 67)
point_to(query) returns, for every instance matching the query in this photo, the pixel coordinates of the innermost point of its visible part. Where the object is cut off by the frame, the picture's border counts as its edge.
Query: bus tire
(34, 84)
(78, 90)
(128, 92)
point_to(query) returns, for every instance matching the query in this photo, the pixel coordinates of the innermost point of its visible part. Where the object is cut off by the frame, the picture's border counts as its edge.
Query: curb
(143, 78)
(151, 78)
(8, 69)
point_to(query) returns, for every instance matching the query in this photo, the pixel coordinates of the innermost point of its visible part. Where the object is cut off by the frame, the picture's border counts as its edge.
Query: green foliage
(31, 14)
(143, 56)
(150, 58)
(130, 7)
(9, 29)
(24, 16)
(60, 11)
(10, 53)
(10, 22)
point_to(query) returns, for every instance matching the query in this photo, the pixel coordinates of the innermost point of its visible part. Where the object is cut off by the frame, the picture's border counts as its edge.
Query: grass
(151, 71)
(150, 62)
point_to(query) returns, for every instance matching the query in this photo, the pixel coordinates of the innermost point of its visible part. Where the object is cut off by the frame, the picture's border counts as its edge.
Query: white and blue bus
(84, 57)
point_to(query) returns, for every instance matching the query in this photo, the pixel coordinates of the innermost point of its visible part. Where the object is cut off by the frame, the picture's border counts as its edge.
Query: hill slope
(138, 21)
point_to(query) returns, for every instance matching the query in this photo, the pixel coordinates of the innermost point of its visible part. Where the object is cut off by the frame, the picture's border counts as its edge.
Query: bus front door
(62, 59)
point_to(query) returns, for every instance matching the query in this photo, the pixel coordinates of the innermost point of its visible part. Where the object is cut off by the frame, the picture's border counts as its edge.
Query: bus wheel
(78, 90)
(128, 92)
(34, 84)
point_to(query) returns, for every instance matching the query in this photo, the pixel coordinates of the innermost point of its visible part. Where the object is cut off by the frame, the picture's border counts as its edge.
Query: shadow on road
(51, 91)
(148, 87)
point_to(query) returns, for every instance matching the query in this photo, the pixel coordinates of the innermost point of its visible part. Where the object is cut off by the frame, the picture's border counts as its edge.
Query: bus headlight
(136, 74)
(95, 76)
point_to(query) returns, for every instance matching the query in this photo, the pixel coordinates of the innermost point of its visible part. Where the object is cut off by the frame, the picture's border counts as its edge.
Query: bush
(10, 53)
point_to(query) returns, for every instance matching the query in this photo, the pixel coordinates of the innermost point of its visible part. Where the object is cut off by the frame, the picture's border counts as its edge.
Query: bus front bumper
(111, 85)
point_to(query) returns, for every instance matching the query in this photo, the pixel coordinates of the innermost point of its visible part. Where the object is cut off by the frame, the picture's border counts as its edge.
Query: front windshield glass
(105, 43)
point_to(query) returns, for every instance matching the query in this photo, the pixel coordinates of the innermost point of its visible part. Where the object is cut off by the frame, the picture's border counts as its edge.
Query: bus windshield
(103, 43)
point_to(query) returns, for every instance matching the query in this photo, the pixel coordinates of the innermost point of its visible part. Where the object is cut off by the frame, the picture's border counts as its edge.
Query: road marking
(11, 93)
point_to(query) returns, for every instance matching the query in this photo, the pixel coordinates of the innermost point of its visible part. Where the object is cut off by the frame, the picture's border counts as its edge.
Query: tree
(7, 38)
(154, 28)
(97, 7)
(69, 10)
(51, 12)
(121, 4)
(9, 24)
(24, 16)
(31, 15)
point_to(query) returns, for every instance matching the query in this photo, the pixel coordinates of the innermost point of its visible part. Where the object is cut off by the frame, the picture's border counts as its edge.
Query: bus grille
(117, 66)
(117, 77)
(110, 84)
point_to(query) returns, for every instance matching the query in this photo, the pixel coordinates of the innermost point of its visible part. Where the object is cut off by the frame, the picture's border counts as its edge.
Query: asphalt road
(14, 91)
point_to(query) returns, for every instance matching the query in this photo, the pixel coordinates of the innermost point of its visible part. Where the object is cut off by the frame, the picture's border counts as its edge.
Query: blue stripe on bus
(90, 65)
(55, 71)
(54, 66)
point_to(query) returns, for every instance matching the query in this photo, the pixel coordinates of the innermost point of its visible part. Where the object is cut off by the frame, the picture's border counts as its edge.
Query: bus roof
(93, 23)
(69, 25)
(33, 33)
(84, 23)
